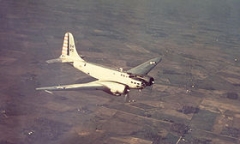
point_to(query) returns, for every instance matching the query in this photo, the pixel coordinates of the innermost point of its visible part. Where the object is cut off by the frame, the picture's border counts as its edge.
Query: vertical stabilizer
(69, 52)
(69, 48)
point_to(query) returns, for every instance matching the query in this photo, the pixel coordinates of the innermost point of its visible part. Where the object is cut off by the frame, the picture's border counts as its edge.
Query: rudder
(69, 48)
(69, 52)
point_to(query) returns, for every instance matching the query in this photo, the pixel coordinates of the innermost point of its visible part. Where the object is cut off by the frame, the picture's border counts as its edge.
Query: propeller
(126, 98)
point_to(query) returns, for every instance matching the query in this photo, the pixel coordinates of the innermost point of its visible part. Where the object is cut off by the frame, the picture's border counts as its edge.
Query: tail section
(69, 52)
(69, 48)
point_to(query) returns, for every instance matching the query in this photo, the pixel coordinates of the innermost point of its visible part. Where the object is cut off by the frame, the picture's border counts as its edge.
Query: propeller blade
(126, 98)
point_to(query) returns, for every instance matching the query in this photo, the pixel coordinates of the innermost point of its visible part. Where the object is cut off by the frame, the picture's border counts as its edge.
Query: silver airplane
(115, 82)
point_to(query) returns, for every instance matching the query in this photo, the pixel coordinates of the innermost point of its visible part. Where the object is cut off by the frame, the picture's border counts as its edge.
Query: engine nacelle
(115, 88)
(147, 80)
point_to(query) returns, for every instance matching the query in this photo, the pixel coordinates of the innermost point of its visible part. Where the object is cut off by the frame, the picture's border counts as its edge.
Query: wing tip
(156, 60)
(40, 88)
(159, 59)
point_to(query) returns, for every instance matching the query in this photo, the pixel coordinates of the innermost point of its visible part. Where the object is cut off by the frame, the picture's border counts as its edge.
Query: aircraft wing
(145, 68)
(95, 85)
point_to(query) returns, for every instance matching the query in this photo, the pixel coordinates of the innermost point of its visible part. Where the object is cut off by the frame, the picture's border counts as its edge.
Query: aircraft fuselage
(107, 74)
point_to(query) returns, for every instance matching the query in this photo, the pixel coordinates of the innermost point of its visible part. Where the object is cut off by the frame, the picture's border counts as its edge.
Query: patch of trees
(232, 95)
(179, 128)
(189, 109)
(231, 131)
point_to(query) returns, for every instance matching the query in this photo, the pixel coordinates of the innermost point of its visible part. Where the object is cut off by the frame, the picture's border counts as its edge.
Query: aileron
(86, 86)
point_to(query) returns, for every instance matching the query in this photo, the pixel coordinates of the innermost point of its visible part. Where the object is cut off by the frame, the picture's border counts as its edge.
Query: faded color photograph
(120, 72)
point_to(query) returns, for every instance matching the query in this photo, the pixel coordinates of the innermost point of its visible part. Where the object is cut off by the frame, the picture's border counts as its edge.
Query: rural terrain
(195, 98)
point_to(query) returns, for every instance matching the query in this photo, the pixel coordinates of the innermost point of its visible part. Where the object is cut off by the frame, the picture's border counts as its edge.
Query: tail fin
(69, 52)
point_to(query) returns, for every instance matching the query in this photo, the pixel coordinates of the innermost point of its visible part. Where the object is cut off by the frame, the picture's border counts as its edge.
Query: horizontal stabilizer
(69, 52)
(58, 60)
(48, 92)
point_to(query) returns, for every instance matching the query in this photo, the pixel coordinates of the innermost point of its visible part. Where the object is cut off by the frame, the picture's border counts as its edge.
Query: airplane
(111, 81)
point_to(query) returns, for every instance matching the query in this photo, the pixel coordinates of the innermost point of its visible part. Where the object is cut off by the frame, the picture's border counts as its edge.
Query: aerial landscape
(195, 98)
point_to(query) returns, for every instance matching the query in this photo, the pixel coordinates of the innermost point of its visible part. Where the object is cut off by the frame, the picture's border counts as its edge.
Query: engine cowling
(115, 88)
(147, 80)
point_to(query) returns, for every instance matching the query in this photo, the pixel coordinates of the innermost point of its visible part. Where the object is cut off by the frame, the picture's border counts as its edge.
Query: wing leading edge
(86, 86)
(146, 67)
